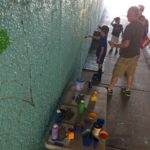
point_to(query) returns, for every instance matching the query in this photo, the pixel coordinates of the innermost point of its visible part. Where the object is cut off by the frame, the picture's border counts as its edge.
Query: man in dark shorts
(129, 51)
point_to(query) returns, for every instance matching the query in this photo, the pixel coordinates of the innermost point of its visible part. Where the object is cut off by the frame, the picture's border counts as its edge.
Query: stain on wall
(43, 48)
(4, 40)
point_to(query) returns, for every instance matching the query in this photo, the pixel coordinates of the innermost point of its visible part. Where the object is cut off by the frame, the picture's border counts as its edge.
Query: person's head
(104, 30)
(141, 9)
(133, 13)
(117, 20)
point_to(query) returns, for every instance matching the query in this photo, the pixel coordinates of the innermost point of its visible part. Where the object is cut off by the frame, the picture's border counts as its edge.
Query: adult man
(129, 51)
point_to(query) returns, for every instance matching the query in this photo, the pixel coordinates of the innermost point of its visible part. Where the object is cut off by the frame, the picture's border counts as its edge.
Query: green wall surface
(41, 49)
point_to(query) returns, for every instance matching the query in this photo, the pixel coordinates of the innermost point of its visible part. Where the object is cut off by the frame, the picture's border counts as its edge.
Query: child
(102, 47)
(117, 29)
(94, 43)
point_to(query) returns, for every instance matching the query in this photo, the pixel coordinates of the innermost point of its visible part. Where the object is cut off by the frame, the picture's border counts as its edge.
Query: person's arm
(100, 54)
(124, 44)
(112, 23)
(93, 37)
(147, 26)
(122, 30)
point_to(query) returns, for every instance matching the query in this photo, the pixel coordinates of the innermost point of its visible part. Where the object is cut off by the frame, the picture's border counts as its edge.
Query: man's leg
(131, 72)
(118, 72)
(112, 84)
(127, 90)
(129, 82)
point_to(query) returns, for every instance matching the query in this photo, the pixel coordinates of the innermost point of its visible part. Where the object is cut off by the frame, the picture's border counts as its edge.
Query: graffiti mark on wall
(26, 96)
(7, 86)
(4, 40)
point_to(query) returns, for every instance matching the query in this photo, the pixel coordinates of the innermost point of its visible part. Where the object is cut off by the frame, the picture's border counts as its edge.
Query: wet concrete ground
(128, 119)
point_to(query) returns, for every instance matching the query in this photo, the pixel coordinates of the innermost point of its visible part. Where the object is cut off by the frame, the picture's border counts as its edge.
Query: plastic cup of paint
(103, 135)
(92, 116)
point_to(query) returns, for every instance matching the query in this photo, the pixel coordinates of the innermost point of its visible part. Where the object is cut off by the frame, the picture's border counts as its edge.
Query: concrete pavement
(128, 119)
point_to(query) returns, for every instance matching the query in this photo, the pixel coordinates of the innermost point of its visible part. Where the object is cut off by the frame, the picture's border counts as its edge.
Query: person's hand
(111, 43)
(87, 36)
(98, 61)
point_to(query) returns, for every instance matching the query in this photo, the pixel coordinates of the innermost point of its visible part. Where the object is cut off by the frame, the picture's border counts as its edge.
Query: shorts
(115, 39)
(125, 65)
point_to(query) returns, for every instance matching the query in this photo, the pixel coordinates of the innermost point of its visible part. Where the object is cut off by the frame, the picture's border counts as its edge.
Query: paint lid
(82, 101)
(58, 111)
(55, 126)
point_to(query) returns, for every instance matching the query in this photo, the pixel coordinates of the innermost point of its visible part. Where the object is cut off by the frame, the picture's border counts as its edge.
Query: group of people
(129, 47)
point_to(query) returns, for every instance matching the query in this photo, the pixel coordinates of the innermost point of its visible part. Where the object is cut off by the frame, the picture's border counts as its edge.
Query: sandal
(109, 92)
(126, 92)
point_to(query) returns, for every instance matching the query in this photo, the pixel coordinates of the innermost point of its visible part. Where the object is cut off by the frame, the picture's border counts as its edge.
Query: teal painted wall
(43, 51)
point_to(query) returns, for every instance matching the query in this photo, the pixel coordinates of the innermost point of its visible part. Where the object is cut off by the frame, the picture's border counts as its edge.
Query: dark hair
(117, 19)
(104, 28)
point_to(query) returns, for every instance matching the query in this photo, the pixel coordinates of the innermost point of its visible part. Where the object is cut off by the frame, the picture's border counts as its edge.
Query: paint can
(54, 134)
(89, 85)
(58, 116)
(81, 107)
(87, 138)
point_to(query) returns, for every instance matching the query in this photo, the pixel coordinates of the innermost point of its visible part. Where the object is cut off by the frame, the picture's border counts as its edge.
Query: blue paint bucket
(87, 139)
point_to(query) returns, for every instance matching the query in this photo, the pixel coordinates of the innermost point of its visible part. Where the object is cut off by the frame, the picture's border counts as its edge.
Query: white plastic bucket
(79, 85)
